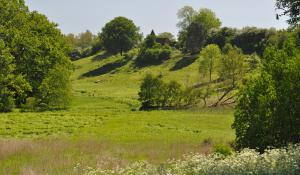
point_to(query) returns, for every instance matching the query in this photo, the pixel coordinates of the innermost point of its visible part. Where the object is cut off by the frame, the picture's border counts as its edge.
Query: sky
(75, 16)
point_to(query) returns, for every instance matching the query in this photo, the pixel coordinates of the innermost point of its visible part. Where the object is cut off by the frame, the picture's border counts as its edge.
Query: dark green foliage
(152, 53)
(151, 92)
(249, 39)
(279, 38)
(253, 40)
(120, 35)
(153, 56)
(222, 36)
(182, 39)
(11, 86)
(291, 9)
(268, 112)
(6, 100)
(196, 37)
(35, 46)
(150, 40)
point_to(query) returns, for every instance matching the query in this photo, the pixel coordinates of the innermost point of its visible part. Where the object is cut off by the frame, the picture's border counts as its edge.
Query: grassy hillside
(104, 127)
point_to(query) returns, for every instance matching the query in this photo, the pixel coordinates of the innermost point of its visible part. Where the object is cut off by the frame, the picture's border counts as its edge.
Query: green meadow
(104, 126)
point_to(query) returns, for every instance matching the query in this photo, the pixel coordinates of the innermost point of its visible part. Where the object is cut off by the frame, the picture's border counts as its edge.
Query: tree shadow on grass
(108, 68)
(102, 56)
(184, 62)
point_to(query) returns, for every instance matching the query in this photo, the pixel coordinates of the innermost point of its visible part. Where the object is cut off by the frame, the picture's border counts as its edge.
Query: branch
(223, 96)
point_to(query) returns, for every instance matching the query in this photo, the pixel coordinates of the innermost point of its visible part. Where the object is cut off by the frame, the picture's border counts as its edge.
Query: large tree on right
(268, 109)
(290, 8)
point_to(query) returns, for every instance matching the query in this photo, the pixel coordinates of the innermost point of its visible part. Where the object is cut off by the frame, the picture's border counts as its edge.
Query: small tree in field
(151, 92)
(210, 56)
(232, 69)
(120, 35)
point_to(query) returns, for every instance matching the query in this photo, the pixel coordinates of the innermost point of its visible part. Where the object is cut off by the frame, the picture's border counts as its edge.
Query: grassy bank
(104, 128)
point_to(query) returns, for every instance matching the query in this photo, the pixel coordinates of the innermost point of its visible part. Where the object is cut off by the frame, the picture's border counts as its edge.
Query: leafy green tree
(222, 36)
(85, 39)
(151, 92)
(150, 40)
(182, 40)
(167, 35)
(291, 9)
(208, 19)
(84, 44)
(196, 37)
(120, 35)
(151, 52)
(10, 84)
(195, 28)
(35, 44)
(232, 69)
(186, 15)
(55, 90)
(210, 58)
(268, 112)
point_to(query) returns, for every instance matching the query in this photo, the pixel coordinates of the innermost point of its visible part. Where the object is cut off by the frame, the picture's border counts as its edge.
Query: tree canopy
(34, 46)
(195, 27)
(120, 35)
(290, 8)
(267, 113)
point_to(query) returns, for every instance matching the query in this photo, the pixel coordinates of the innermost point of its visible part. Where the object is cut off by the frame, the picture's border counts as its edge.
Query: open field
(104, 127)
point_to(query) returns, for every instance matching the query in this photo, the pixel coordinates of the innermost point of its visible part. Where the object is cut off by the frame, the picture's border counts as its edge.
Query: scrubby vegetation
(276, 161)
(157, 94)
(152, 52)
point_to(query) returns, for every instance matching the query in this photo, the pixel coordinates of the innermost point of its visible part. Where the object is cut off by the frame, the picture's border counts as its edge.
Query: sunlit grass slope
(104, 121)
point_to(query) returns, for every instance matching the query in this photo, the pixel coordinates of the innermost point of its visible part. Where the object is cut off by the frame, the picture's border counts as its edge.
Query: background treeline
(84, 44)
(34, 62)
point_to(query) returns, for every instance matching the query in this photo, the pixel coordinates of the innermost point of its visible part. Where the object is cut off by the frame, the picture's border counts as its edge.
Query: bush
(153, 56)
(223, 150)
(156, 93)
(151, 92)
